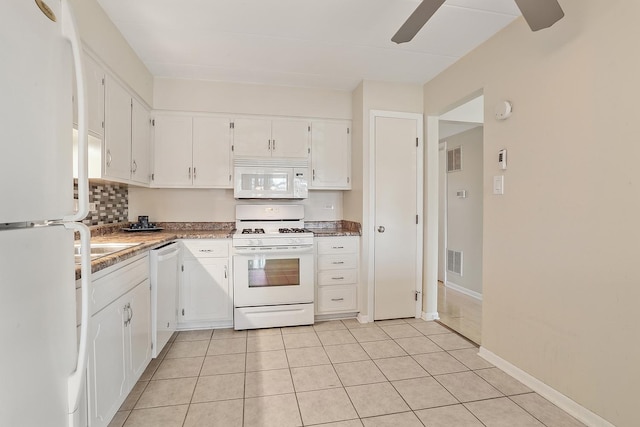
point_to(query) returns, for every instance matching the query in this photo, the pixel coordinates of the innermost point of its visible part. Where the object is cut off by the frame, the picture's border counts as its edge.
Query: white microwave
(269, 182)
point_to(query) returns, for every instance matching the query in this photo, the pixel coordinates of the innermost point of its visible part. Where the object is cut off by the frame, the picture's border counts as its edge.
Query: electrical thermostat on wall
(502, 159)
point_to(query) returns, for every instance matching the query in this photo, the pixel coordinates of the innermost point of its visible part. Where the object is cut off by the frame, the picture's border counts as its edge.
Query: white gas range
(272, 267)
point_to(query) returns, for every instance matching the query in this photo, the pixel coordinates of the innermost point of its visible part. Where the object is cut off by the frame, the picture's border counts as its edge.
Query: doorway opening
(460, 218)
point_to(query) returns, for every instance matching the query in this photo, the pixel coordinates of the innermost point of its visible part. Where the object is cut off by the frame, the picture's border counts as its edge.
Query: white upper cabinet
(330, 155)
(192, 151)
(140, 143)
(212, 152)
(117, 138)
(252, 138)
(290, 139)
(278, 138)
(94, 79)
(172, 147)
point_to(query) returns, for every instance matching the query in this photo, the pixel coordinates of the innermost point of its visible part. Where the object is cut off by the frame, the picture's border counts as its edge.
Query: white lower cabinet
(337, 275)
(206, 293)
(119, 340)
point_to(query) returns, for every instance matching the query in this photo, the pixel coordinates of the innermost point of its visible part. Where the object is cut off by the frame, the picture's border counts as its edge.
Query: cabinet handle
(130, 311)
(135, 167)
(337, 262)
(337, 278)
(337, 299)
(205, 250)
(109, 158)
(189, 173)
(337, 247)
(274, 144)
(194, 172)
(225, 271)
(269, 145)
(313, 177)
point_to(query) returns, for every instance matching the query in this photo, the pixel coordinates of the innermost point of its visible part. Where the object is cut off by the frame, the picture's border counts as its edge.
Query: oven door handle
(274, 250)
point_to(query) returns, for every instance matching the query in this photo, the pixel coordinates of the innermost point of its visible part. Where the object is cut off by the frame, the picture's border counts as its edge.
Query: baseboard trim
(563, 402)
(362, 318)
(463, 290)
(430, 316)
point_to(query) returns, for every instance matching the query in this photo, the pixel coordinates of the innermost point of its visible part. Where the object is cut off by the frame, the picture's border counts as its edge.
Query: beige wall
(372, 95)
(464, 216)
(103, 39)
(561, 289)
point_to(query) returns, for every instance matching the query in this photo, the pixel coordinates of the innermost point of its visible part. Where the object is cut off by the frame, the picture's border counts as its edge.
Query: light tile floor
(404, 372)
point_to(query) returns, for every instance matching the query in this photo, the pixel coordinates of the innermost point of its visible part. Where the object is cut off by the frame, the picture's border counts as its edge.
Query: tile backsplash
(111, 199)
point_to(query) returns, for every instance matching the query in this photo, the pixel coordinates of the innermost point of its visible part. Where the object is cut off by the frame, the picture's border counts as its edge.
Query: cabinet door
(140, 143)
(252, 138)
(290, 139)
(139, 331)
(117, 149)
(205, 293)
(107, 375)
(172, 151)
(330, 155)
(95, 95)
(212, 152)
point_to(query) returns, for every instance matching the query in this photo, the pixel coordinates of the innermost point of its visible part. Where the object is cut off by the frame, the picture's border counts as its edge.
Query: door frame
(373, 114)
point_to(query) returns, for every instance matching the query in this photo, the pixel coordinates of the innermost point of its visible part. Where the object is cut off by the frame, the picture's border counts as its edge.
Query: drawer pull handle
(337, 278)
(338, 262)
(205, 250)
(337, 299)
(337, 247)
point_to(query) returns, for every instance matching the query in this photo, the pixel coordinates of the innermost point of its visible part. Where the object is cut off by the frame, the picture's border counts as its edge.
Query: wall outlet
(92, 206)
(329, 207)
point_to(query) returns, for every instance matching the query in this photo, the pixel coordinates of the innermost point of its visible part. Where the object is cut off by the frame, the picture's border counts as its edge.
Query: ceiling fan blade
(416, 21)
(540, 14)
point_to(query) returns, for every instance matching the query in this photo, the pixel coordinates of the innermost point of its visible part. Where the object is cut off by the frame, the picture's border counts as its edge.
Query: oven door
(271, 276)
(263, 183)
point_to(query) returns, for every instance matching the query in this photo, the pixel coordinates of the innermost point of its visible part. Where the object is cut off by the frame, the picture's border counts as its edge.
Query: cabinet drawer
(337, 277)
(337, 245)
(337, 298)
(206, 248)
(336, 262)
(111, 284)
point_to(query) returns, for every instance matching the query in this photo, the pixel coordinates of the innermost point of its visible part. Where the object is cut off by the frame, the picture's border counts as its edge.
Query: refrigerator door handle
(76, 379)
(70, 32)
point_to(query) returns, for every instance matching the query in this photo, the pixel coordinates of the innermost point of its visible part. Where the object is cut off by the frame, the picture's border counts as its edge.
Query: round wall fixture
(503, 110)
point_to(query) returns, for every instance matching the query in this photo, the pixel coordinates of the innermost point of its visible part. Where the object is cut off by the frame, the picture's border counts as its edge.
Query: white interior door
(397, 271)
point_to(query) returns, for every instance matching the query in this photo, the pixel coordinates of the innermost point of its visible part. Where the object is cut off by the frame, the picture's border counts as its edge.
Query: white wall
(464, 215)
(225, 97)
(103, 39)
(561, 287)
(205, 205)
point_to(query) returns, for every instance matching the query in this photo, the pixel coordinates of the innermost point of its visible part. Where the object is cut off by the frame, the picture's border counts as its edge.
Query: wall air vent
(454, 262)
(454, 159)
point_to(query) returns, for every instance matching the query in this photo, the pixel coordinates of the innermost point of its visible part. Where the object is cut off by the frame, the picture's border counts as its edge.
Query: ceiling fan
(539, 14)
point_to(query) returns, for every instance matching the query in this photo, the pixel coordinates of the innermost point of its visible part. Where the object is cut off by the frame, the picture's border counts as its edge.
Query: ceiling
(332, 44)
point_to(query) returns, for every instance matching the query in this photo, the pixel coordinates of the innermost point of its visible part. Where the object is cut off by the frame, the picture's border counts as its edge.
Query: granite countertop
(148, 240)
(334, 228)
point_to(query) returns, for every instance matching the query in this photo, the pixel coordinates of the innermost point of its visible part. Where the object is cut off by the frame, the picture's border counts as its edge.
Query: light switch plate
(498, 184)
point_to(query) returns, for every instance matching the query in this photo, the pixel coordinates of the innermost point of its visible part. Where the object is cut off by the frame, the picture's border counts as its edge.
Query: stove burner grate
(292, 230)
(253, 231)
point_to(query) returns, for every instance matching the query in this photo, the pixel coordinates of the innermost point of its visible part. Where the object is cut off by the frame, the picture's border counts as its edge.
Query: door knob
(380, 229)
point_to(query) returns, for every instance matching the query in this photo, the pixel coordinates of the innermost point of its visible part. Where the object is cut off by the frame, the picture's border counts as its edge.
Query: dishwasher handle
(167, 251)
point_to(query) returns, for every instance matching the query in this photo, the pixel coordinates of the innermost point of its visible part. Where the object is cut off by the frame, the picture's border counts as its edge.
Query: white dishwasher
(164, 294)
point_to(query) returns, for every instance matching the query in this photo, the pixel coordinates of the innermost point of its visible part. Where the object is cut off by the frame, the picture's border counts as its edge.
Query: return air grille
(454, 261)
(454, 159)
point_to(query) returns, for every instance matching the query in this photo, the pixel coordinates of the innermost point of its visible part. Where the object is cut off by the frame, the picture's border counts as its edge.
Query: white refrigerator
(42, 356)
